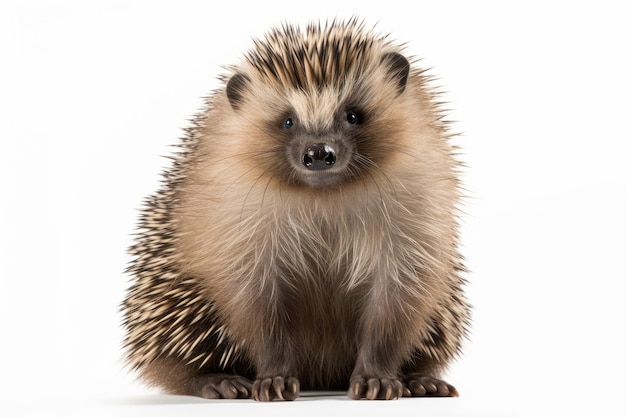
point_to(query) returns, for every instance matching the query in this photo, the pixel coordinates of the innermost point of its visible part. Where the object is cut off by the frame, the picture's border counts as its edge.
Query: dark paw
(373, 388)
(276, 388)
(224, 386)
(419, 385)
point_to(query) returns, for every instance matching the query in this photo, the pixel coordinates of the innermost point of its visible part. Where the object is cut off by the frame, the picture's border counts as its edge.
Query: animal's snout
(319, 156)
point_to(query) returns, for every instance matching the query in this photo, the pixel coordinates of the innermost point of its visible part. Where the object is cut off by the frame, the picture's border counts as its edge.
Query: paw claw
(373, 388)
(228, 390)
(279, 386)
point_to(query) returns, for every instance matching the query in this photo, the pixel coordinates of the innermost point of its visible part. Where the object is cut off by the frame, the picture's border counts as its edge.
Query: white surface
(93, 93)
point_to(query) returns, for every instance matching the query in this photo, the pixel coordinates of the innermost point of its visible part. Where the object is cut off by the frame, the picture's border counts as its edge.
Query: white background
(92, 95)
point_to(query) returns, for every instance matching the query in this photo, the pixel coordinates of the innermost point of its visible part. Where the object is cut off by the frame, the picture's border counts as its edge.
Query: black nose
(319, 156)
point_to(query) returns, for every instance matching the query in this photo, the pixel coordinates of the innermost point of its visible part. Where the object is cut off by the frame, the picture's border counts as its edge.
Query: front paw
(373, 388)
(271, 388)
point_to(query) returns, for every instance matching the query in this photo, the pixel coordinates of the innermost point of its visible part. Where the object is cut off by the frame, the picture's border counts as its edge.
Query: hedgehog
(305, 236)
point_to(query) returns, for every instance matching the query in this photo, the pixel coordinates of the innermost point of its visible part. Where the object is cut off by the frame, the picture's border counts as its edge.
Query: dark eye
(352, 118)
(288, 123)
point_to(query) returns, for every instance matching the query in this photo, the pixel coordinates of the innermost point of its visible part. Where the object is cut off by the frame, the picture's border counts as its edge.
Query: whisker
(252, 187)
(369, 164)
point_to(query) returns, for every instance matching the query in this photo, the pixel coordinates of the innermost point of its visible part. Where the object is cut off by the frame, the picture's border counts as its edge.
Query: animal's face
(327, 132)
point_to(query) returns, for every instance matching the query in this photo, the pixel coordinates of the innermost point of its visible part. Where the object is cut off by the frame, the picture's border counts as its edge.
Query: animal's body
(306, 235)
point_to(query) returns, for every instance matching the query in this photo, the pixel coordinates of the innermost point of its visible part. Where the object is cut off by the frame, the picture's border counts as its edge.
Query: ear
(235, 88)
(398, 69)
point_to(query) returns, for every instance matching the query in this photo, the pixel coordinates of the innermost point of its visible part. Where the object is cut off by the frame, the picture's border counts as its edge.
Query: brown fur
(247, 264)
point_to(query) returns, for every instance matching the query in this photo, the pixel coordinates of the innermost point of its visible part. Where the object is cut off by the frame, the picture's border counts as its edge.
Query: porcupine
(306, 235)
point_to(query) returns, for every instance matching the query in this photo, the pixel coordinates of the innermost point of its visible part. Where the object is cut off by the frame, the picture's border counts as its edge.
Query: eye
(352, 118)
(288, 124)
